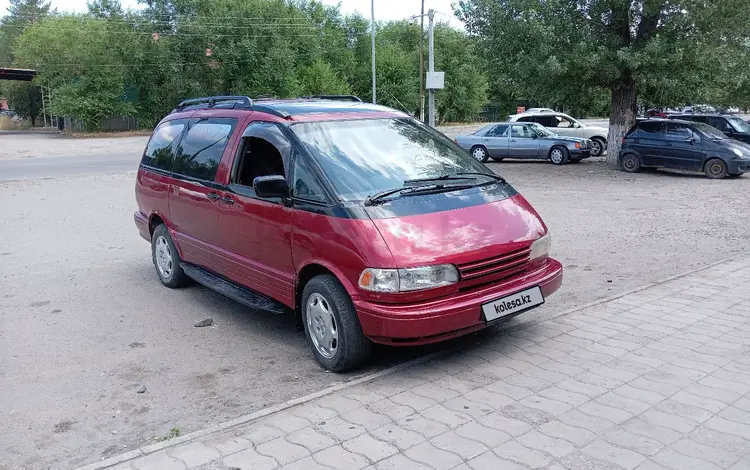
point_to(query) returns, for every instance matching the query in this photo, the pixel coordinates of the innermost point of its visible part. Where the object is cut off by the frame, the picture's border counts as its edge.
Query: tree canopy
(567, 52)
(111, 61)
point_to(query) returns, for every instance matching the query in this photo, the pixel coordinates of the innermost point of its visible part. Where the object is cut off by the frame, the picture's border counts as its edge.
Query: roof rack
(335, 97)
(242, 102)
(211, 101)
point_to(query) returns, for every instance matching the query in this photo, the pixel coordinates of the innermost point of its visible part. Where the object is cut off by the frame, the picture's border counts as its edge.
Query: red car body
(274, 248)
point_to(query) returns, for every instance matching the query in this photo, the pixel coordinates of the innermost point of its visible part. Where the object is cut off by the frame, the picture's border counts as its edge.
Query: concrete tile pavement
(656, 379)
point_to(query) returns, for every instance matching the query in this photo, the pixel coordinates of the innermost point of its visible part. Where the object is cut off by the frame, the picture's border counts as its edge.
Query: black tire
(175, 277)
(602, 147)
(477, 149)
(563, 159)
(716, 169)
(630, 163)
(352, 347)
(497, 159)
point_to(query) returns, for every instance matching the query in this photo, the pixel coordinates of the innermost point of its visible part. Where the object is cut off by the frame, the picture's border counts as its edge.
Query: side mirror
(271, 186)
(690, 140)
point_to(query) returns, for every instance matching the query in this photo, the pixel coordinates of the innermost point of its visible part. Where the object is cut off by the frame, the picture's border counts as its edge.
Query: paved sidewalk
(657, 379)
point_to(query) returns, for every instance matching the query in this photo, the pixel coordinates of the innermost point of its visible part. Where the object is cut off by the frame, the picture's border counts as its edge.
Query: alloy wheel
(321, 325)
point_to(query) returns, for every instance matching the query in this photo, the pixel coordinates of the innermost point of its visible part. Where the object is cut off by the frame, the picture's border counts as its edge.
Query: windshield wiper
(464, 175)
(406, 190)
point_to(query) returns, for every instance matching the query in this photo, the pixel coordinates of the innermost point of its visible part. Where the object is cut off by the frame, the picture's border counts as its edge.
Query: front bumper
(739, 166)
(579, 153)
(447, 317)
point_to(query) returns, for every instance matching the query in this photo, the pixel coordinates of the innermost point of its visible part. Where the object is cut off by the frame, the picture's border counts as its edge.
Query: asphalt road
(59, 167)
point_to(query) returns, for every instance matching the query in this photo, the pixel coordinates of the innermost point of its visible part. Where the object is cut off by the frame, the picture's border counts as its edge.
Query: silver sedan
(523, 140)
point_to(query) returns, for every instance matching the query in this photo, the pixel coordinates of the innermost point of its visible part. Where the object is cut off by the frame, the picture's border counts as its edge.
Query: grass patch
(94, 135)
(174, 432)
(8, 124)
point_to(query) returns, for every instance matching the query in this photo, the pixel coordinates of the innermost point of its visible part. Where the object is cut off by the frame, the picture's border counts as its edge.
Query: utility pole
(372, 35)
(431, 53)
(421, 64)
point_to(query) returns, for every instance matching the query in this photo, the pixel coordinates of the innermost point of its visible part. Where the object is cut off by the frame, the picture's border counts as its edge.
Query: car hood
(736, 144)
(461, 235)
(563, 138)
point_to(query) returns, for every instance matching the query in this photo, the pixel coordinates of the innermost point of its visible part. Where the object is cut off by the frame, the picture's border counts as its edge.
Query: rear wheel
(480, 153)
(166, 260)
(630, 163)
(332, 326)
(716, 169)
(559, 155)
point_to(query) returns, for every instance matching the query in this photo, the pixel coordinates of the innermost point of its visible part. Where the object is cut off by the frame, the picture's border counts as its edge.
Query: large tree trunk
(621, 117)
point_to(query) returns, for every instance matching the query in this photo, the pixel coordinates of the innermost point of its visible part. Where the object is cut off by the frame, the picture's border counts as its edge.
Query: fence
(111, 124)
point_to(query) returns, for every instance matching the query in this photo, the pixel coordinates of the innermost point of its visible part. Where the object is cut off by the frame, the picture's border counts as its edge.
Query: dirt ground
(84, 321)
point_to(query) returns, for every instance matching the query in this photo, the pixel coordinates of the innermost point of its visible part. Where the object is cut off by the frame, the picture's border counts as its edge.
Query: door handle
(213, 196)
(227, 200)
(512, 140)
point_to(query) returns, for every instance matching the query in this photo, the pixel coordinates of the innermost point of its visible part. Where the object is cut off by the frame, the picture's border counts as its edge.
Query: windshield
(739, 125)
(541, 130)
(366, 156)
(711, 132)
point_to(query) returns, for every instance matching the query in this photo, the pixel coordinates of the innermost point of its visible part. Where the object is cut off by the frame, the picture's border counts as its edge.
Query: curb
(151, 448)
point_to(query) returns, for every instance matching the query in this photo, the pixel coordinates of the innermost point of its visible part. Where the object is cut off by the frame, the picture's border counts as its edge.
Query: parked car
(731, 126)
(368, 225)
(527, 140)
(698, 108)
(10, 114)
(538, 110)
(683, 145)
(661, 112)
(563, 124)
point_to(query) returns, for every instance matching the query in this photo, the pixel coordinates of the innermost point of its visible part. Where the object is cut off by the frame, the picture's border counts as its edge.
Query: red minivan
(369, 225)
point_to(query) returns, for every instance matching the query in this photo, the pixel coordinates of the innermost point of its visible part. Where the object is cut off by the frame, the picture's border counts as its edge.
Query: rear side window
(498, 131)
(162, 145)
(525, 119)
(650, 130)
(199, 153)
(547, 121)
(721, 124)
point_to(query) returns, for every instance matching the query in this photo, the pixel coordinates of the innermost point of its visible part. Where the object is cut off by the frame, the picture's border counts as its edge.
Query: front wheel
(716, 169)
(559, 155)
(597, 147)
(480, 153)
(630, 163)
(331, 325)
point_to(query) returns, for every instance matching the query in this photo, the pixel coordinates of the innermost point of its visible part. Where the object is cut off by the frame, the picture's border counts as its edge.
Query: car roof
(706, 114)
(287, 109)
(664, 120)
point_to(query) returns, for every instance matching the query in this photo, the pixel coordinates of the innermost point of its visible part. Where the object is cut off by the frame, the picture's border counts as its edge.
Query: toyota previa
(368, 225)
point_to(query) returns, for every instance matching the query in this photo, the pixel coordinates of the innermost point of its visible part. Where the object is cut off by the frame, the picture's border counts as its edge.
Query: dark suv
(683, 145)
(364, 222)
(731, 126)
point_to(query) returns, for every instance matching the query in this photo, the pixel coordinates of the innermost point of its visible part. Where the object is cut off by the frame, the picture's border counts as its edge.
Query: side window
(525, 119)
(499, 131)
(265, 152)
(200, 151)
(650, 130)
(721, 124)
(563, 122)
(161, 147)
(546, 121)
(678, 132)
(520, 131)
(305, 184)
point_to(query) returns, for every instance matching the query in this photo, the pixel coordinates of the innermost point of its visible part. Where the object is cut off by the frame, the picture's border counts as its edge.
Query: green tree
(563, 51)
(81, 59)
(319, 78)
(25, 99)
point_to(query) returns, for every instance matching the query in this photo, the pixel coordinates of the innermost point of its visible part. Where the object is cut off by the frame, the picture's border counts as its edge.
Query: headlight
(737, 152)
(409, 279)
(541, 246)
